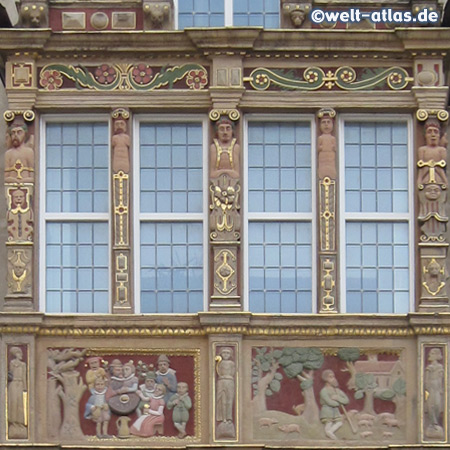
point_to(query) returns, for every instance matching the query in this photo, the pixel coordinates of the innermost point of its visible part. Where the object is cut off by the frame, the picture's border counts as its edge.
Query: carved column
(225, 221)
(433, 401)
(327, 188)
(120, 146)
(19, 191)
(432, 186)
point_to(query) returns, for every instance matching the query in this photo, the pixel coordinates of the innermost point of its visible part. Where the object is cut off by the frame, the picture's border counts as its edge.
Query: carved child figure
(97, 408)
(94, 371)
(327, 145)
(224, 151)
(19, 217)
(19, 158)
(121, 147)
(181, 404)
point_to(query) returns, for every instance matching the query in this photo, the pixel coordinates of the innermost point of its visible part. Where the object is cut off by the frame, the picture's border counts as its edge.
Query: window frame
(302, 217)
(138, 217)
(366, 217)
(67, 217)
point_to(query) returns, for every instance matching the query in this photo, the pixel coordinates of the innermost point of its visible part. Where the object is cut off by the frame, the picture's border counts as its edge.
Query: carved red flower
(196, 79)
(142, 74)
(105, 74)
(51, 80)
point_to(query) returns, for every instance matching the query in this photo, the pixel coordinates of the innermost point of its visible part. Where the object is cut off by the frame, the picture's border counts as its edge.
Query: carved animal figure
(390, 422)
(365, 434)
(387, 434)
(290, 428)
(299, 409)
(266, 422)
(364, 423)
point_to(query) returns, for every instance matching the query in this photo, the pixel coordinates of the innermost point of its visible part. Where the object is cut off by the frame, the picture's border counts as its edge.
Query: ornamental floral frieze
(342, 78)
(126, 77)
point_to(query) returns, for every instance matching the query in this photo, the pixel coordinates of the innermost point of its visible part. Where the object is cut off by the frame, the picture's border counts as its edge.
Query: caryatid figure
(121, 147)
(327, 144)
(225, 151)
(19, 157)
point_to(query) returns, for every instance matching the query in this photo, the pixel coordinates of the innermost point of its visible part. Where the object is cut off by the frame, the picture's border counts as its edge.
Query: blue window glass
(200, 13)
(263, 13)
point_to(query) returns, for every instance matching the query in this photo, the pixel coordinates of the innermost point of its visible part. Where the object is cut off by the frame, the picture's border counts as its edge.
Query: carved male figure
(19, 158)
(432, 214)
(331, 399)
(224, 151)
(94, 371)
(121, 147)
(166, 375)
(226, 371)
(17, 388)
(181, 404)
(19, 218)
(327, 146)
(434, 386)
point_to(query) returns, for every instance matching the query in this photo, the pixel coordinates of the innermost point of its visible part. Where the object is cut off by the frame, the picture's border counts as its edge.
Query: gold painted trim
(421, 410)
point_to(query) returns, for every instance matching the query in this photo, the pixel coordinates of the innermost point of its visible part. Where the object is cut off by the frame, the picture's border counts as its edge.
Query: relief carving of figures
(434, 395)
(121, 146)
(64, 386)
(19, 272)
(326, 144)
(225, 151)
(20, 215)
(17, 395)
(97, 409)
(225, 393)
(432, 183)
(346, 394)
(434, 276)
(181, 404)
(19, 156)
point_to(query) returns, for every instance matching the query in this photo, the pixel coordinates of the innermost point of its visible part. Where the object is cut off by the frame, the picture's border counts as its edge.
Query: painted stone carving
(121, 146)
(64, 386)
(346, 394)
(295, 14)
(157, 15)
(434, 380)
(434, 276)
(97, 409)
(225, 151)
(225, 393)
(34, 14)
(326, 143)
(20, 215)
(19, 272)
(17, 395)
(181, 404)
(19, 156)
(432, 183)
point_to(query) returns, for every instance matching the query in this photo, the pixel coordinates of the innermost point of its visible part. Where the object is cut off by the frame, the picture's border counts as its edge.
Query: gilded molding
(233, 114)
(345, 78)
(423, 114)
(122, 77)
(28, 115)
(327, 201)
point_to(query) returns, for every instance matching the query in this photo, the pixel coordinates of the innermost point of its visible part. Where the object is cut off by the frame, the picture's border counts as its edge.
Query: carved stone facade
(229, 371)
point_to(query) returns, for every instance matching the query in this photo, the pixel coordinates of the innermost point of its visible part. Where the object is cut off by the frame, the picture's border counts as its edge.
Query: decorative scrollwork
(233, 114)
(28, 115)
(120, 113)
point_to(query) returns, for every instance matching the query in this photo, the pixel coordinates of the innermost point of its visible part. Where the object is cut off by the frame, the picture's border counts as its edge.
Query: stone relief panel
(434, 393)
(225, 392)
(305, 395)
(19, 276)
(128, 395)
(20, 217)
(17, 392)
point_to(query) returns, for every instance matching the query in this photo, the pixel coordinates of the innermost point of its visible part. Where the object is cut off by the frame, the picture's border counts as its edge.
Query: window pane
(256, 13)
(171, 267)
(77, 154)
(376, 169)
(171, 168)
(200, 13)
(280, 267)
(77, 267)
(377, 267)
(279, 173)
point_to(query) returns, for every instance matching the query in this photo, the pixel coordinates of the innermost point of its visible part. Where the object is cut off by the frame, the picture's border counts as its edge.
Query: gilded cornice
(246, 324)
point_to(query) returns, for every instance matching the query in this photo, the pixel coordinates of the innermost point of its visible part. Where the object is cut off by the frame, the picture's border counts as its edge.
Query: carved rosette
(17, 392)
(433, 412)
(19, 192)
(432, 217)
(327, 173)
(120, 145)
(224, 219)
(225, 391)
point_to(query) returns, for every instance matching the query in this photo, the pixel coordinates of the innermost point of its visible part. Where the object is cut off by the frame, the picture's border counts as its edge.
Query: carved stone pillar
(19, 192)
(225, 377)
(327, 185)
(433, 393)
(224, 221)
(432, 186)
(120, 145)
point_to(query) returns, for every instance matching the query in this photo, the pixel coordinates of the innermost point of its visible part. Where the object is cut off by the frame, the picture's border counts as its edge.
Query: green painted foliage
(349, 354)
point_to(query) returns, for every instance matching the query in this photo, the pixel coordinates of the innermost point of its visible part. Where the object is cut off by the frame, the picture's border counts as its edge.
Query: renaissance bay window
(75, 223)
(279, 230)
(376, 218)
(219, 13)
(171, 205)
